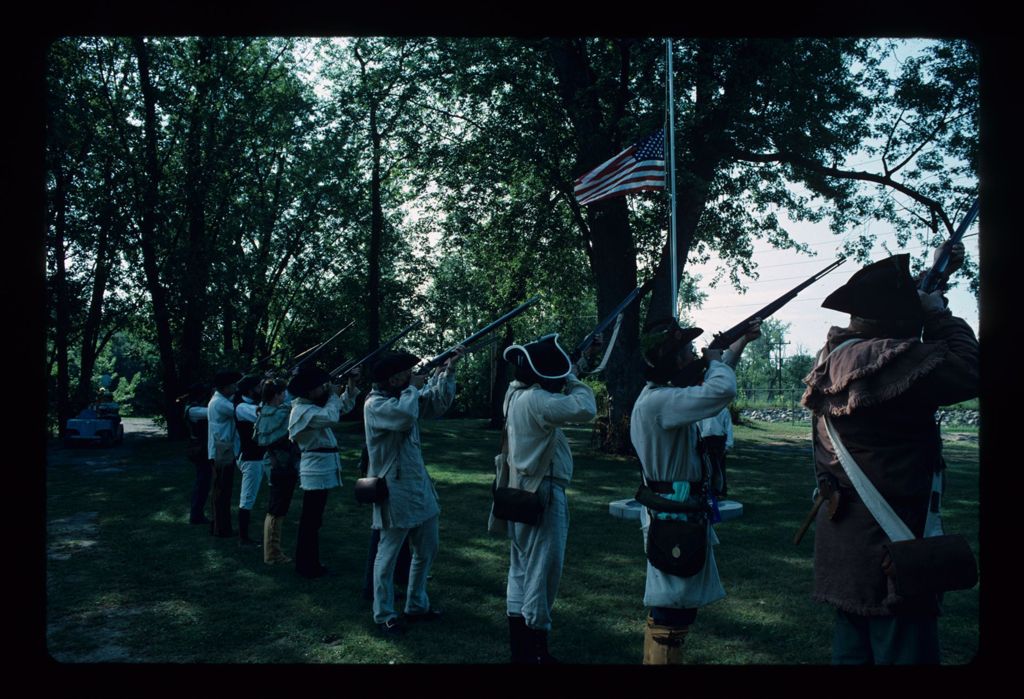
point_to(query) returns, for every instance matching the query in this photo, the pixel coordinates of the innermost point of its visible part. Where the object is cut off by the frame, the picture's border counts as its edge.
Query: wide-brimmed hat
(664, 337)
(307, 378)
(226, 378)
(544, 356)
(883, 290)
(391, 363)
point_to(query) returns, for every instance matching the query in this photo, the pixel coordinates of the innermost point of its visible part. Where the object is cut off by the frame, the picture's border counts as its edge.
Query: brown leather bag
(371, 490)
(932, 564)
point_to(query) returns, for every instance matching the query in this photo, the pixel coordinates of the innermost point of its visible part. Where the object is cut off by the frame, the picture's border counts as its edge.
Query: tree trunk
(499, 385)
(197, 254)
(613, 258)
(94, 317)
(62, 312)
(147, 234)
(376, 235)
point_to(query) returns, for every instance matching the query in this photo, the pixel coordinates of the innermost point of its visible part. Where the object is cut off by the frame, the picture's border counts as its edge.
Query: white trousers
(535, 562)
(423, 543)
(252, 476)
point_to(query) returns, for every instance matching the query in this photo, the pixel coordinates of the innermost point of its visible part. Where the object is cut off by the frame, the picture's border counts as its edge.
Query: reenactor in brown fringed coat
(881, 393)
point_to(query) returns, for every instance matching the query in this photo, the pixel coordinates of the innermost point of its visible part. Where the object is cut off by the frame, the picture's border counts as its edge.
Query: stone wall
(946, 417)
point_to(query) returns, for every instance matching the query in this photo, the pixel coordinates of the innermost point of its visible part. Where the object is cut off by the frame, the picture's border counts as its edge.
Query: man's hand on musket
(449, 363)
(353, 378)
(736, 348)
(933, 302)
(590, 356)
(956, 257)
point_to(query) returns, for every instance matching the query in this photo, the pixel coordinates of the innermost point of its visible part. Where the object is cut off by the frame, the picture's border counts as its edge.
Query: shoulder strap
(887, 519)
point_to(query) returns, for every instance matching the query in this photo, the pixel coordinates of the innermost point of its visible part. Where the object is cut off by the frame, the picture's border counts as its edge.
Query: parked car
(98, 424)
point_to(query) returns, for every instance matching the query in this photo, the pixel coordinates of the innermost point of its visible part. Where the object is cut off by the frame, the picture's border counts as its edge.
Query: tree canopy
(212, 201)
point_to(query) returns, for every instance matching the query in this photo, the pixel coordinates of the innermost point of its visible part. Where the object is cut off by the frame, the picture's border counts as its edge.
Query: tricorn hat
(247, 383)
(226, 378)
(199, 392)
(883, 290)
(664, 337)
(308, 378)
(392, 363)
(545, 357)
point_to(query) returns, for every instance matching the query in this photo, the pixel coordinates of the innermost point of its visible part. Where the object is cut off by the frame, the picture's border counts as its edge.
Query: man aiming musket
(409, 509)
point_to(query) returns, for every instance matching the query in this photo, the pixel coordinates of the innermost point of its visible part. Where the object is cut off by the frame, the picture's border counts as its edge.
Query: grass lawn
(128, 580)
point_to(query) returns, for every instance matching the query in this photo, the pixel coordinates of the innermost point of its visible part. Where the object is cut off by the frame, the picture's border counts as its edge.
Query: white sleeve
(578, 405)
(437, 395)
(327, 415)
(395, 414)
(246, 412)
(688, 405)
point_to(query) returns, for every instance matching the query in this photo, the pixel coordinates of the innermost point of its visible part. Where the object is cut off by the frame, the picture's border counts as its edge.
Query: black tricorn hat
(391, 363)
(664, 337)
(226, 378)
(199, 392)
(308, 378)
(883, 290)
(247, 383)
(544, 356)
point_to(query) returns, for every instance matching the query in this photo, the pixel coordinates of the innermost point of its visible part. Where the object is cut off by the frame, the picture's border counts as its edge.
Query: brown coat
(882, 394)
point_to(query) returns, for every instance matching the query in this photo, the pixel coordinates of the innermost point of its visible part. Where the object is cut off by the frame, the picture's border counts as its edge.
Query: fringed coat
(881, 394)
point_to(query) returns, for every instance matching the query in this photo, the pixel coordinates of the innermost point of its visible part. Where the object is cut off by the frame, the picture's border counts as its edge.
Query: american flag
(639, 167)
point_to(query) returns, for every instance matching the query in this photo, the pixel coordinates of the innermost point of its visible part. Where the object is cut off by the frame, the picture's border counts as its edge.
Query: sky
(781, 270)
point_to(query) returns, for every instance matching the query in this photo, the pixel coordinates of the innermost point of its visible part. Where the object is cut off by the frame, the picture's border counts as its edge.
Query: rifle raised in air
(494, 325)
(316, 349)
(937, 274)
(722, 340)
(339, 373)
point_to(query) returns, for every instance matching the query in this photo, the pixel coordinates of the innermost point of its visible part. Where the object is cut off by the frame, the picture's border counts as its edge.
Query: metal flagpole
(670, 172)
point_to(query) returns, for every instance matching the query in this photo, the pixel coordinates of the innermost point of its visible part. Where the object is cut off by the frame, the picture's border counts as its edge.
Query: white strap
(887, 519)
(890, 523)
(608, 350)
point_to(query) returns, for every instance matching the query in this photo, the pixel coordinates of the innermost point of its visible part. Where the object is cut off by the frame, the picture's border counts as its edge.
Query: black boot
(537, 647)
(518, 640)
(243, 528)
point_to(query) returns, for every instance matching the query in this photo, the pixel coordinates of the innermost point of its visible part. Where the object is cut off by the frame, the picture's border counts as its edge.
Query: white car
(99, 425)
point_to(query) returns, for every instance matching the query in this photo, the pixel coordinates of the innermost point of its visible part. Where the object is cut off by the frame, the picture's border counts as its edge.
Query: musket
(612, 317)
(937, 274)
(346, 368)
(318, 348)
(818, 500)
(443, 357)
(483, 344)
(722, 340)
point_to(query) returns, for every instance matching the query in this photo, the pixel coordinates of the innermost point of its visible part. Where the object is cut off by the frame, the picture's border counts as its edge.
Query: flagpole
(670, 172)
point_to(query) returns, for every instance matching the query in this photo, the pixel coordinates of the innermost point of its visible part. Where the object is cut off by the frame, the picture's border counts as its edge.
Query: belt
(660, 486)
(560, 482)
(321, 450)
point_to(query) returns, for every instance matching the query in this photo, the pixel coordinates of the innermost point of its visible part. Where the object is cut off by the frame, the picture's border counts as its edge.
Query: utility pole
(778, 359)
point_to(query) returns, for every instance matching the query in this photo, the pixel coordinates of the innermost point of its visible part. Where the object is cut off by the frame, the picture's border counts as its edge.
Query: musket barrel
(480, 333)
(343, 370)
(724, 339)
